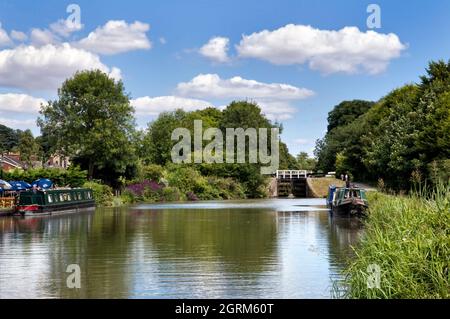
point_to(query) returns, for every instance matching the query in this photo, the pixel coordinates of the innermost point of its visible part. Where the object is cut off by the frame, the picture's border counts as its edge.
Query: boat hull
(37, 210)
(350, 209)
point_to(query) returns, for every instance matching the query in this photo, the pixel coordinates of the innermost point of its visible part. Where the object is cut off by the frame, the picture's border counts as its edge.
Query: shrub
(128, 197)
(103, 194)
(188, 180)
(72, 177)
(191, 196)
(153, 172)
(227, 188)
(171, 194)
(144, 191)
(185, 178)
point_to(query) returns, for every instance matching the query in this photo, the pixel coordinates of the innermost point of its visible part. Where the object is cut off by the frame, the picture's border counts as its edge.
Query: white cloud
(212, 86)
(65, 27)
(273, 98)
(301, 141)
(152, 106)
(117, 37)
(162, 40)
(18, 35)
(216, 49)
(155, 105)
(42, 37)
(46, 67)
(20, 103)
(4, 38)
(18, 124)
(347, 50)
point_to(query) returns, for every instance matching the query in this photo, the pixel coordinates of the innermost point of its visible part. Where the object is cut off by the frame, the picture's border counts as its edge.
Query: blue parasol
(5, 185)
(19, 185)
(43, 183)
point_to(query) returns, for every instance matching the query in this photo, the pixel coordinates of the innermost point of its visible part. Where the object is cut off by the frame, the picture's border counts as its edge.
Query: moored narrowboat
(347, 201)
(42, 202)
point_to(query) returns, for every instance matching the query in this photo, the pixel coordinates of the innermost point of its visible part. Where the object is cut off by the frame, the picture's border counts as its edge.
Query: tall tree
(9, 138)
(92, 120)
(28, 147)
(306, 162)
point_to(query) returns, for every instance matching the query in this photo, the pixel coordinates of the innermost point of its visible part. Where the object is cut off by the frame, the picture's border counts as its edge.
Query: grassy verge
(319, 186)
(409, 239)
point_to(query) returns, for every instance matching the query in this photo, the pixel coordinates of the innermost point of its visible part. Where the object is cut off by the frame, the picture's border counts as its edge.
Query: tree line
(92, 122)
(400, 140)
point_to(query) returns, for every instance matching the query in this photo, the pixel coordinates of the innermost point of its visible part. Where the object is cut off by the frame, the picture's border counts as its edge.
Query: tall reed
(408, 237)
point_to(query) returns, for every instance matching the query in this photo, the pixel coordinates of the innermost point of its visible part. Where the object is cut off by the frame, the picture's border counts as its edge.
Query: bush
(189, 181)
(191, 197)
(72, 177)
(103, 194)
(171, 194)
(149, 191)
(153, 172)
(128, 197)
(227, 188)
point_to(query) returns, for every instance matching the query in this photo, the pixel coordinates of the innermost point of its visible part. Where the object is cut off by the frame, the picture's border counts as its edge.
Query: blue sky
(297, 73)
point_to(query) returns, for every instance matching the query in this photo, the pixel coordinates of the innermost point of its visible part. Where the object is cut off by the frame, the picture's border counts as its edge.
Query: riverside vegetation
(408, 238)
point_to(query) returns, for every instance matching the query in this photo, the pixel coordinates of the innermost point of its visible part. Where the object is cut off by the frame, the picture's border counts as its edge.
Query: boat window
(69, 198)
(50, 198)
(61, 198)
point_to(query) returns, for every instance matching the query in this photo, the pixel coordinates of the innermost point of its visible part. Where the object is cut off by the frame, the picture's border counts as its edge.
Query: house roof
(11, 161)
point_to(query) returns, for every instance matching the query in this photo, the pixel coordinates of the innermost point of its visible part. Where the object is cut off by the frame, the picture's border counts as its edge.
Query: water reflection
(251, 249)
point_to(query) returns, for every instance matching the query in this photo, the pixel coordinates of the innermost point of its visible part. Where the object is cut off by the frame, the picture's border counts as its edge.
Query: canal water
(276, 248)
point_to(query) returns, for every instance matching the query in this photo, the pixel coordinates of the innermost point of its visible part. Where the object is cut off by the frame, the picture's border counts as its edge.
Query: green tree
(157, 144)
(28, 147)
(9, 138)
(343, 135)
(346, 112)
(92, 121)
(306, 162)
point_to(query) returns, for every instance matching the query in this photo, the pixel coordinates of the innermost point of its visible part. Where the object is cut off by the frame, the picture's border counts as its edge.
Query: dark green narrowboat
(41, 202)
(347, 201)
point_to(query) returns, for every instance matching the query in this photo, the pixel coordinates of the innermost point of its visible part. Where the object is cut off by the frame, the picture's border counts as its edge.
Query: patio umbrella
(16, 186)
(25, 184)
(5, 185)
(43, 183)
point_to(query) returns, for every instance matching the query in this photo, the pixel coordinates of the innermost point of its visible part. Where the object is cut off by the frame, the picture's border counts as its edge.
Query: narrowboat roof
(59, 190)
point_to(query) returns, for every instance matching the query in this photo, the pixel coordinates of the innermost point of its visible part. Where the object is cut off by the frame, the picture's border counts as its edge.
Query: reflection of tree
(243, 239)
(102, 244)
(344, 234)
(98, 243)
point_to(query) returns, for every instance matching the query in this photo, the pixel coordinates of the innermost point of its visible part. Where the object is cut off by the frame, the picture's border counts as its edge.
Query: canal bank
(407, 242)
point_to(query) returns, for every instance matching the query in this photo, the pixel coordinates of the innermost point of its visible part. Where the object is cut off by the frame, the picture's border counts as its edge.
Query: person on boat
(347, 181)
